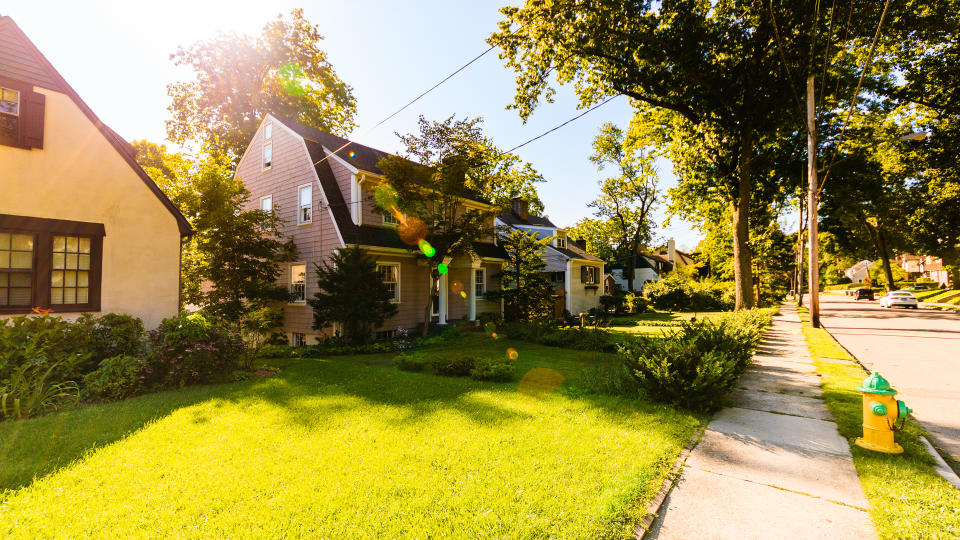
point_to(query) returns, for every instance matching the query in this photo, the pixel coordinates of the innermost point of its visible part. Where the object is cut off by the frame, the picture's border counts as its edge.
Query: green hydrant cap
(876, 384)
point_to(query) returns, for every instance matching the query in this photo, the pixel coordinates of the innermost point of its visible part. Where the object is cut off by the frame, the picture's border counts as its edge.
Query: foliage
(31, 388)
(190, 349)
(608, 376)
(351, 293)
(114, 334)
(117, 377)
(491, 369)
(548, 333)
(241, 78)
(676, 293)
(627, 200)
(43, 342)
(698, 365)
(457, 364)
(598, 235)
(444, 165)
(526, 292)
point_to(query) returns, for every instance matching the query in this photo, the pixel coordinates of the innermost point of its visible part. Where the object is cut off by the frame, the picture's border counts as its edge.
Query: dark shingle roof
(534, 221)
(574, 251)
(22, 60)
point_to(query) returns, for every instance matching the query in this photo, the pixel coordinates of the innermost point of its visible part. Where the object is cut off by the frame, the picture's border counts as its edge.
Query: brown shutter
(583, 274)
(32, 117)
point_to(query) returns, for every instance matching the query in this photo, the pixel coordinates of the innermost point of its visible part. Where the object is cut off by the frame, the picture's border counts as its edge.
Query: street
(918, 351)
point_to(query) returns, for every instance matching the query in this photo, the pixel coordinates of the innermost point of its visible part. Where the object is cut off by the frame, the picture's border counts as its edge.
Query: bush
(547, 333)
(413, 361)
(118, 377)
(453, 365)
(488, 369)
(44, 341)
(31, 389)
(677, 293)
(189, 349)
(697, 366)
(115, 335)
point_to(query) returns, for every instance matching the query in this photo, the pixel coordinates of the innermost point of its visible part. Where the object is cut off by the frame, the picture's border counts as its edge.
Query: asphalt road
(917, 350)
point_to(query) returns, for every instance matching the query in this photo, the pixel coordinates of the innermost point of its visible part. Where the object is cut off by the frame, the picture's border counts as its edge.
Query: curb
(653, 507)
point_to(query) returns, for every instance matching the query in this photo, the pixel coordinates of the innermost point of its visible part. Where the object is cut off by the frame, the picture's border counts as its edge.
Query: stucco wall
(583, 299)
(78, 175)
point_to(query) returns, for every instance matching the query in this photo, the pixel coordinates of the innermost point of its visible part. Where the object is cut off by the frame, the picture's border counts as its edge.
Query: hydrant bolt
(878, 409)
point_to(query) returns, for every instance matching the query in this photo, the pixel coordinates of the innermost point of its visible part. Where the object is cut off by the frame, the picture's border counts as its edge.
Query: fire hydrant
(880, 414)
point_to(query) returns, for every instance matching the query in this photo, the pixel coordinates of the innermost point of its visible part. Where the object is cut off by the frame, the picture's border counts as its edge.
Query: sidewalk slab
(780, 403)
(827, 476)
(763, 428)
(774, 366)
(795, 384)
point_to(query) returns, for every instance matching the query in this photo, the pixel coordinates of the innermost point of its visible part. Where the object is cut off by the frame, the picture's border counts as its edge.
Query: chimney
(671, 251)
(520, 207)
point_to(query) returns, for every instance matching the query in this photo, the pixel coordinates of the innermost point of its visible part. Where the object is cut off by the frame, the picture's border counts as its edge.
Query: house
(322, 186)
(575, 274)
(646, 268)
(924, 266)
(858, 272)
(674, 256)
(83, 229)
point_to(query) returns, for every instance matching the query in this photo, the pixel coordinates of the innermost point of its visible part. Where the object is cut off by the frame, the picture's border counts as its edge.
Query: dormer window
(562, 242)
(9, 114)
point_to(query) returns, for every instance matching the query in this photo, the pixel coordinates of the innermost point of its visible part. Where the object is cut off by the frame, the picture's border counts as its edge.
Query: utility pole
(814, 265)
(799, 272)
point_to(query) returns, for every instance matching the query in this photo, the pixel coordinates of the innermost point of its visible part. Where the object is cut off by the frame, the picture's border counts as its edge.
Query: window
(480, 281)
(390, 276)
(562, 242)
(49, 264)
(16, 270)
(298, 283)
(9, 114)
(558, 277)
(390, 219)
(384, 335)
(267, 132)
(266, 203)
(305, 201)
(589, 275)
(267, 155)
(298, 339)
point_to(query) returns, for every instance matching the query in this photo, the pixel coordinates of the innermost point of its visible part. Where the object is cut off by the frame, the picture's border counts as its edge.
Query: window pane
(4, 259)
(267, 131)
(73, 244)
(83, 263)
(4, 241)
(306, 196)
(83, 279)
(19, 296)
(82, 295)
(298, 273)
(4, 297)
(4, 279)
(480, 275)
(71, 261)
(56, 278)
(69, 296)
(21, 242)
(21, 259)
(266, 204)
(56, 296)
(70, 279)
(267, 155)
(59, 243)
(84, 245)
(20, 279)
(58, 260)
(10, 101)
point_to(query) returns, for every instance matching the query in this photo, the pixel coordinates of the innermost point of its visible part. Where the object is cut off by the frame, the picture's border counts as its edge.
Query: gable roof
(22, 60)
(532, 221)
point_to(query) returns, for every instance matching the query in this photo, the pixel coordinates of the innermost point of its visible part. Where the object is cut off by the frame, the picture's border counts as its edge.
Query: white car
(898, 298)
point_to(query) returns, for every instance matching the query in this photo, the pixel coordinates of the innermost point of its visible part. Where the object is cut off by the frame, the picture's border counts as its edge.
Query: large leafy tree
(240, 78)
(626, 200)
(527, 293)
(231, 264)
(445, 165)
(599, 234)
(352, 294)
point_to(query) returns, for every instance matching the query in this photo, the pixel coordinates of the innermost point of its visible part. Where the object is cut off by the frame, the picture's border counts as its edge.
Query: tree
(527, 293)
(600, 237)
(231, 264)
(445, 166)
(240, 78)
(626, 200)
(352, 294)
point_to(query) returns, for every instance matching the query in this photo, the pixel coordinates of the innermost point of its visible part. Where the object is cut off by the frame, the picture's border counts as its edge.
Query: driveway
(918, 351)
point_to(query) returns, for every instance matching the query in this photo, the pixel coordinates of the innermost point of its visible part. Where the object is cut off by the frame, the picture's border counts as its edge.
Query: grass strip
(908, 499)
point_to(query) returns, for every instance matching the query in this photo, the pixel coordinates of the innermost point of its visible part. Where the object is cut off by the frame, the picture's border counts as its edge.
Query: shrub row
(677, 293)
(456, 364)
(47, 362)
(336, 346)
(548, 333)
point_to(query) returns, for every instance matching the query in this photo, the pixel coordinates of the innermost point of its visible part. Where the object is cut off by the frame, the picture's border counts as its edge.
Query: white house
(858, 272)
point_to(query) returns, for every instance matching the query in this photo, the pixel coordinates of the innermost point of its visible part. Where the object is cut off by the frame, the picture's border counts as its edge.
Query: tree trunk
(885, 258)
(434, 280)
(630, 267)
(742, 271)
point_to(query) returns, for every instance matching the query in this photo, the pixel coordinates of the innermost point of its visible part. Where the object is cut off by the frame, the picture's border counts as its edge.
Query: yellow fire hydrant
(880, 414)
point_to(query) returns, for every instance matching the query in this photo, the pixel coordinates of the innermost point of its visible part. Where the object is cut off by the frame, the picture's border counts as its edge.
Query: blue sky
(116, 55)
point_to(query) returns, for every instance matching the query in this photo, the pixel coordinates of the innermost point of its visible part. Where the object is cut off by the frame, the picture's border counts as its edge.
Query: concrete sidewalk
(773, 465)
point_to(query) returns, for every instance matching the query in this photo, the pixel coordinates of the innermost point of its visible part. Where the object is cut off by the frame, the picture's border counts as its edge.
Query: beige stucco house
(322, 186)
(82, 226)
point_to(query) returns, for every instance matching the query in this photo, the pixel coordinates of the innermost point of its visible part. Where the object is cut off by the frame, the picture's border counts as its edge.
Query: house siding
(582, 299)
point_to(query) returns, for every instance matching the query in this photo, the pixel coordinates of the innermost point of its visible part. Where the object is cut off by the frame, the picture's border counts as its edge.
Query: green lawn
(907, 497)
(346, 447)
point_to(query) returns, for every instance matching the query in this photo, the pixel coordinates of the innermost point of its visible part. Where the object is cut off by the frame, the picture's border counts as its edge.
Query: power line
(549, 131)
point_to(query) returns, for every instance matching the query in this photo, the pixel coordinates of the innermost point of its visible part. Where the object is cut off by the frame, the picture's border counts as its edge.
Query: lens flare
(426, 248)
(352, 154)
(490, 328)
(412, 230)
(512, 354)
(494, 335)
(385, 196)
(463, 294)
(538, 382)
(442, 268)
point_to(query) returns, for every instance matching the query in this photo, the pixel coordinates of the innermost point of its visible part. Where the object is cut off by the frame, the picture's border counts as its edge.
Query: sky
(116, 55)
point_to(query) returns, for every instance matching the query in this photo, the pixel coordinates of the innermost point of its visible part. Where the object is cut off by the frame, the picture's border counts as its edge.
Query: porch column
(443, 292)
(568, 282)
(473, 293)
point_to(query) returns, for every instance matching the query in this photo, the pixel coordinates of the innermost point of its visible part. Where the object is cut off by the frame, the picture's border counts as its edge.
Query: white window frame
(267, 131)
(294, 283)
(562, 242)
(396, 295)
(298, 339)
(480, 282)
(389, 220)
(265, 164)
(591, 272)
(301, 206)
(264, 199)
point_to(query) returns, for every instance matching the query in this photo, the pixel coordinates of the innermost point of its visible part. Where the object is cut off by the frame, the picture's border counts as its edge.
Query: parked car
(918, 288)
(898, 298)
(863, 294)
